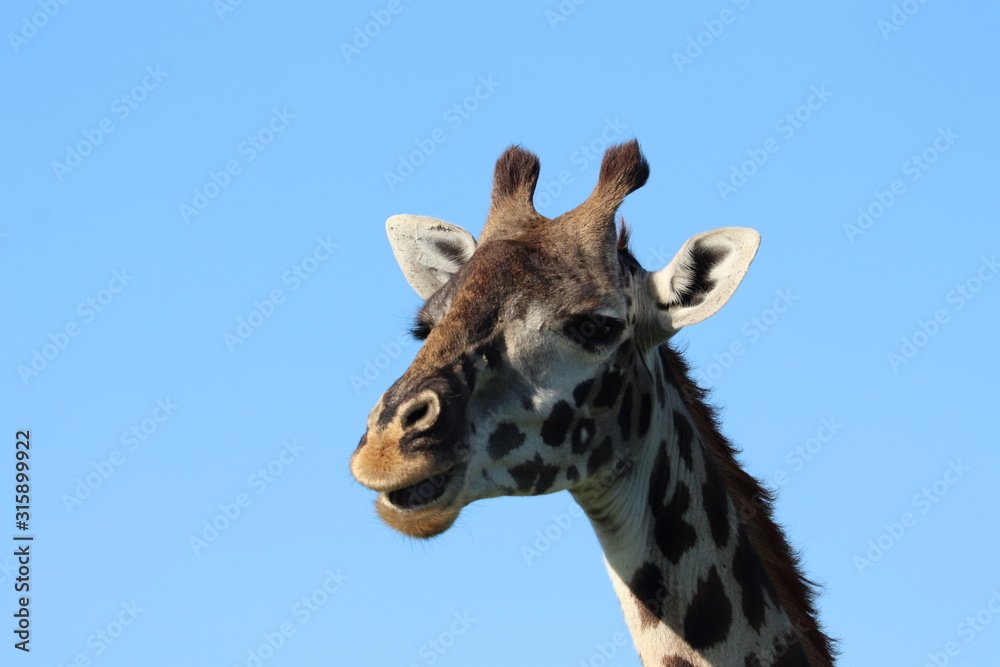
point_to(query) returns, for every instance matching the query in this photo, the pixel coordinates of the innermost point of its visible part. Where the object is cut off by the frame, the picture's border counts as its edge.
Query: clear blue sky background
(201, 85)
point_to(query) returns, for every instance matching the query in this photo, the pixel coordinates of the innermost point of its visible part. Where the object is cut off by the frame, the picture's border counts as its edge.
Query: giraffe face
(501, 398)
(530, 379)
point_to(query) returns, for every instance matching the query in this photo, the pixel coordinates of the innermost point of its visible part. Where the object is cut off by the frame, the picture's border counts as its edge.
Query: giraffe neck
(686, 565)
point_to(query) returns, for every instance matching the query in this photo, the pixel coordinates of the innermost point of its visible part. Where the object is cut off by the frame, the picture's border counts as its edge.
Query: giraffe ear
(428, 250)
(706, 271)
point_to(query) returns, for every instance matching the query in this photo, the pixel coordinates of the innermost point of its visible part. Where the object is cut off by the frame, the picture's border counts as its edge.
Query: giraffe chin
(423, 523)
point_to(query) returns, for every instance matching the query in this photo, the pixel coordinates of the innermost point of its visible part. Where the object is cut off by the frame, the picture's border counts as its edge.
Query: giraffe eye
(593, 332)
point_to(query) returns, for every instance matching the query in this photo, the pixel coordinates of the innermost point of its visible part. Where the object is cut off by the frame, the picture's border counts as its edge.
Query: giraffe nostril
(414, 415)
(420, 412)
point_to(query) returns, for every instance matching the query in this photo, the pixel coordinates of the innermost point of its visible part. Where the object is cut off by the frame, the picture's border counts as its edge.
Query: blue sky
(202, 308)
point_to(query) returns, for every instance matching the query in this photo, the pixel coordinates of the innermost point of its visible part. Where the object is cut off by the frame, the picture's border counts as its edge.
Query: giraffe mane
(624, 235)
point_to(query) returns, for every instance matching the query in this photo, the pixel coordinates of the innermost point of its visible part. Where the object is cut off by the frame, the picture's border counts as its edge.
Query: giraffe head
(530, 377)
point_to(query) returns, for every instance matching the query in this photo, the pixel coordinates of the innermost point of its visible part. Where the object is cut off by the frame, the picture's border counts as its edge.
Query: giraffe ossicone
(546, 366)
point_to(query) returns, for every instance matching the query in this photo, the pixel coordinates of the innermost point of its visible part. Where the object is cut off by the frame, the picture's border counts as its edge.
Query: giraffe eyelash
(420, 330)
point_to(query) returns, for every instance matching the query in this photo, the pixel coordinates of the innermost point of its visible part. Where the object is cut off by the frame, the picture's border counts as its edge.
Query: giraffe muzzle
(412, 454)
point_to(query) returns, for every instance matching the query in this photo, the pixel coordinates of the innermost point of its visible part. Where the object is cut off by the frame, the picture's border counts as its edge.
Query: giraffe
(546, 366)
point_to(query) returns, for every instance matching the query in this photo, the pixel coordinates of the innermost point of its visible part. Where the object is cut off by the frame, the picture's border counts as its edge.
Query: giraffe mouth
(426, 508)
(428, 492)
